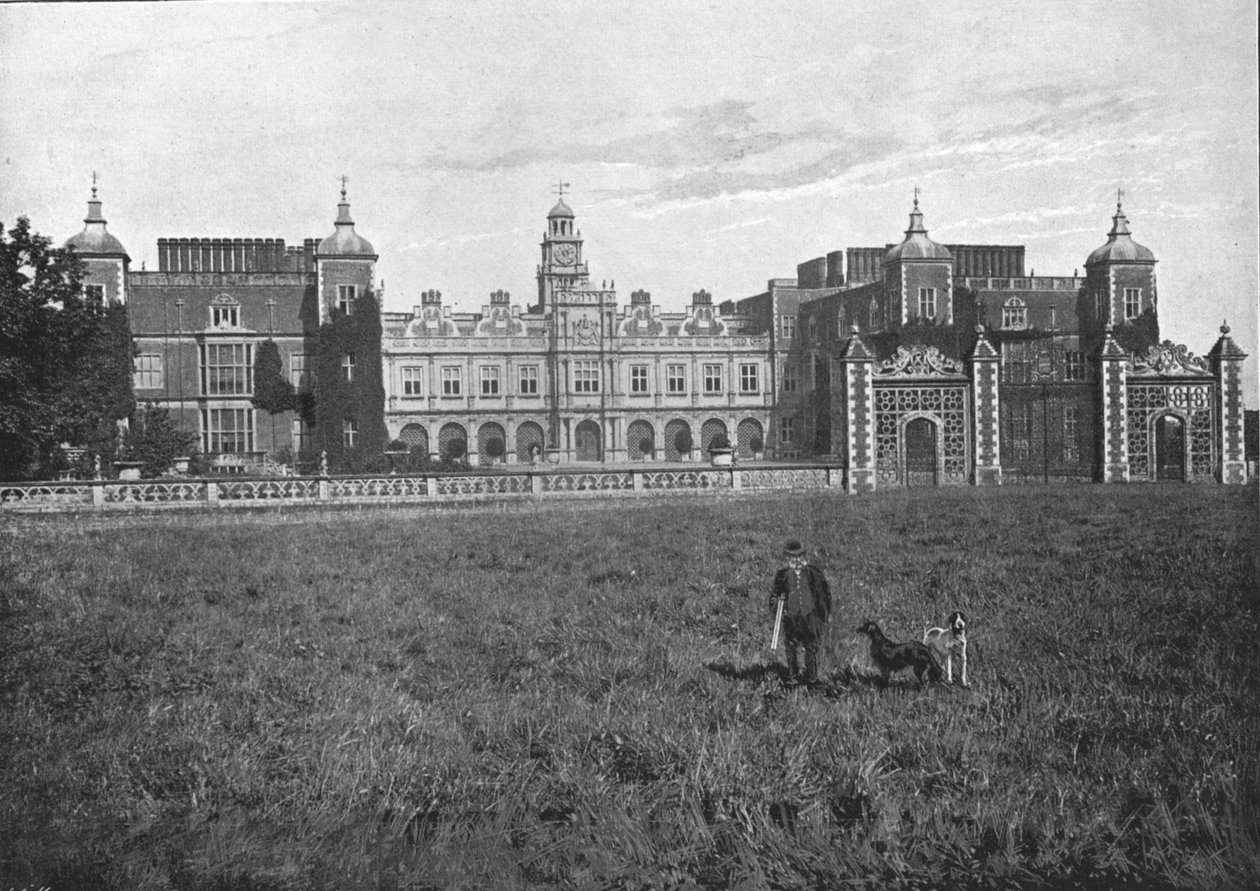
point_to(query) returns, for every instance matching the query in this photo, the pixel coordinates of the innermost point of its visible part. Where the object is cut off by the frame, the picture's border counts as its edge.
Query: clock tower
(562, 266)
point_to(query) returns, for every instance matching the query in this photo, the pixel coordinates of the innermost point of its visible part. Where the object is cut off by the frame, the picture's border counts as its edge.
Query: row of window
(585, 379)
(228, 370)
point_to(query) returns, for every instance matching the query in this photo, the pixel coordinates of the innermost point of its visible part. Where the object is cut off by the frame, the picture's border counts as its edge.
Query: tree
(154, 438)
(350, 391)
(273, 392)
(65, 359)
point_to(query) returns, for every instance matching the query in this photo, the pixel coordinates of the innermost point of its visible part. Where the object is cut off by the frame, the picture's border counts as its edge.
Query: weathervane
(1119, 198)
(560, 187)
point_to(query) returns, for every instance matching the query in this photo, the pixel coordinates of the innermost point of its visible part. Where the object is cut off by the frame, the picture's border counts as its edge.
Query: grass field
(487, 697)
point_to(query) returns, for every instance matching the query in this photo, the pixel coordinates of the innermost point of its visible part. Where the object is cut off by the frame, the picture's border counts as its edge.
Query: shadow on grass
(832, 684)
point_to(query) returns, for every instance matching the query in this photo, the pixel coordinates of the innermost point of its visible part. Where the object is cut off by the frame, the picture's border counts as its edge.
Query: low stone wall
(474, 484)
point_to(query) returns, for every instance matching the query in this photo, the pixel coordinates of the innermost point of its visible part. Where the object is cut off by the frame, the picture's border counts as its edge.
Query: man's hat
(793, 549)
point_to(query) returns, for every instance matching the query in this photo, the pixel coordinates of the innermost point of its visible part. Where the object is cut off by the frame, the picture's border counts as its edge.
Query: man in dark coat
(806, 609)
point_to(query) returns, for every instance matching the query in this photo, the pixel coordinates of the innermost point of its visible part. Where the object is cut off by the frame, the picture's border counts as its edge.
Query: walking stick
(778, 623)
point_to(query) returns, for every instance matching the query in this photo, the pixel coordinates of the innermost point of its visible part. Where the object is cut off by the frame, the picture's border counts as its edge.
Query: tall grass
(580, 696)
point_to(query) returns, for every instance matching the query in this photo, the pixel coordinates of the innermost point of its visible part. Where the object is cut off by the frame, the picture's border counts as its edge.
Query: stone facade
(925, 364)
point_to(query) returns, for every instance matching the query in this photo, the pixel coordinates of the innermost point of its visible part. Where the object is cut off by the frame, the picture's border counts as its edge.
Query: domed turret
(344, 242)
(1120, 246)
(917, 245)
(95, 240)
(560, 210)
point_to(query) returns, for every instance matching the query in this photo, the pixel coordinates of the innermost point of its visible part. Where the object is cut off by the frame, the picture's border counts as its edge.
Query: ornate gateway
(921, 435)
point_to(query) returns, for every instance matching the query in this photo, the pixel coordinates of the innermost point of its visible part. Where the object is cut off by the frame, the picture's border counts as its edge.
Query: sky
(706, 145)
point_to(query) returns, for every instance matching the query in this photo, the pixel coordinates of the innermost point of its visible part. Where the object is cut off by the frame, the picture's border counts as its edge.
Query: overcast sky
(710, 145)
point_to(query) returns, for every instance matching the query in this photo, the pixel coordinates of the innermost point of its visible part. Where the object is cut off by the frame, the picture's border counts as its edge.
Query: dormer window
(225, 312)
(346, 295)
(1014, 314)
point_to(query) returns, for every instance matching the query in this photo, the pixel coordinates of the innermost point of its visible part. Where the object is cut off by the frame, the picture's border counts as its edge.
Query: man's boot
(793, 666)
(811, 666)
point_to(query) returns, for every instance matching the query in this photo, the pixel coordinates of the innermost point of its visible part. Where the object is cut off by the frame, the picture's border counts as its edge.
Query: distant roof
(345, 241)
(1120, 246)
(95, 238)
(917, 245)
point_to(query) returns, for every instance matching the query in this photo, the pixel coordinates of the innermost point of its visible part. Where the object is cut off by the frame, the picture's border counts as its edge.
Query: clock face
(564, 254)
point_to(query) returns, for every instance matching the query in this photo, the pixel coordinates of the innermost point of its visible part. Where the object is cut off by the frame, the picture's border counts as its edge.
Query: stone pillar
(858, 369)
(1227, 361)
(1113, 390)
(985, 412)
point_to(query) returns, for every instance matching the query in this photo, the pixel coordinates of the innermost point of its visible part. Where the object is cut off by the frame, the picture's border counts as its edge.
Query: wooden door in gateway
(920, 453)
(1170, 449)
(586, 438)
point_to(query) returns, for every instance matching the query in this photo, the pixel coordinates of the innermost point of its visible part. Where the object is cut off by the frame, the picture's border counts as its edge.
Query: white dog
(945, 641)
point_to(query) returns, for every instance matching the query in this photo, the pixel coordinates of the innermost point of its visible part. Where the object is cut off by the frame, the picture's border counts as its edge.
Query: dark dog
(889, 657)
(947, 641)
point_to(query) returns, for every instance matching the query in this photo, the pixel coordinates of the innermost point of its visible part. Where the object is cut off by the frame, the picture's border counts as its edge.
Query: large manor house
(912, 363)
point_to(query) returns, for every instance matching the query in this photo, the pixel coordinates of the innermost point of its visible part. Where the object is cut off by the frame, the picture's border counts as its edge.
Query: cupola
(95, 239)
(344, 242)
(1120, 246)
(917, 245)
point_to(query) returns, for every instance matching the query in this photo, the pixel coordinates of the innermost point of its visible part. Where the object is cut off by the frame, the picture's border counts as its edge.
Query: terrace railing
(533, 482)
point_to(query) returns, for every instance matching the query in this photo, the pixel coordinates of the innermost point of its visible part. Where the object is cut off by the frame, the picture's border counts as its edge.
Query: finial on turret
(560, 187)
(1119, 198)
(916, 197)
(343, 187)
(93, 185)
(1224, 327)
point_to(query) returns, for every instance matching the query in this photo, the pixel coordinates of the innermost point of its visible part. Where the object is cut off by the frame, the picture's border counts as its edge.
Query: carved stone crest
(586, 332)
(1169, 359)
(919, 361)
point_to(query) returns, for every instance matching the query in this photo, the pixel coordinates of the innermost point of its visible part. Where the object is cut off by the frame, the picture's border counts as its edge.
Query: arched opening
(751, 438)
(1170, 448)
(416, 438)
(588, 442)
(640, 441)
(920, 452)
(452, 442)
(529, 441)
(709, 431)
(491, 443)
(673, 430)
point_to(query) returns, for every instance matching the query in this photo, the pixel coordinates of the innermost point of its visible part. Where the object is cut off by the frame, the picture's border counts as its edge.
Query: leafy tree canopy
(154, 438)
(65, 359)
(273, 392)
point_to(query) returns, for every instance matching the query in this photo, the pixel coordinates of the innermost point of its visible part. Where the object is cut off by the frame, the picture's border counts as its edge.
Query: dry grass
(578, 696)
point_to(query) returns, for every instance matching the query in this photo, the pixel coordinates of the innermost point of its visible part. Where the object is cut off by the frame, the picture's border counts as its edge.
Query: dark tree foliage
(273, 392)
(683, 441)
(65, 360)
(154, 438)
(360, 399)
(1138, 336)
(951, 340)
